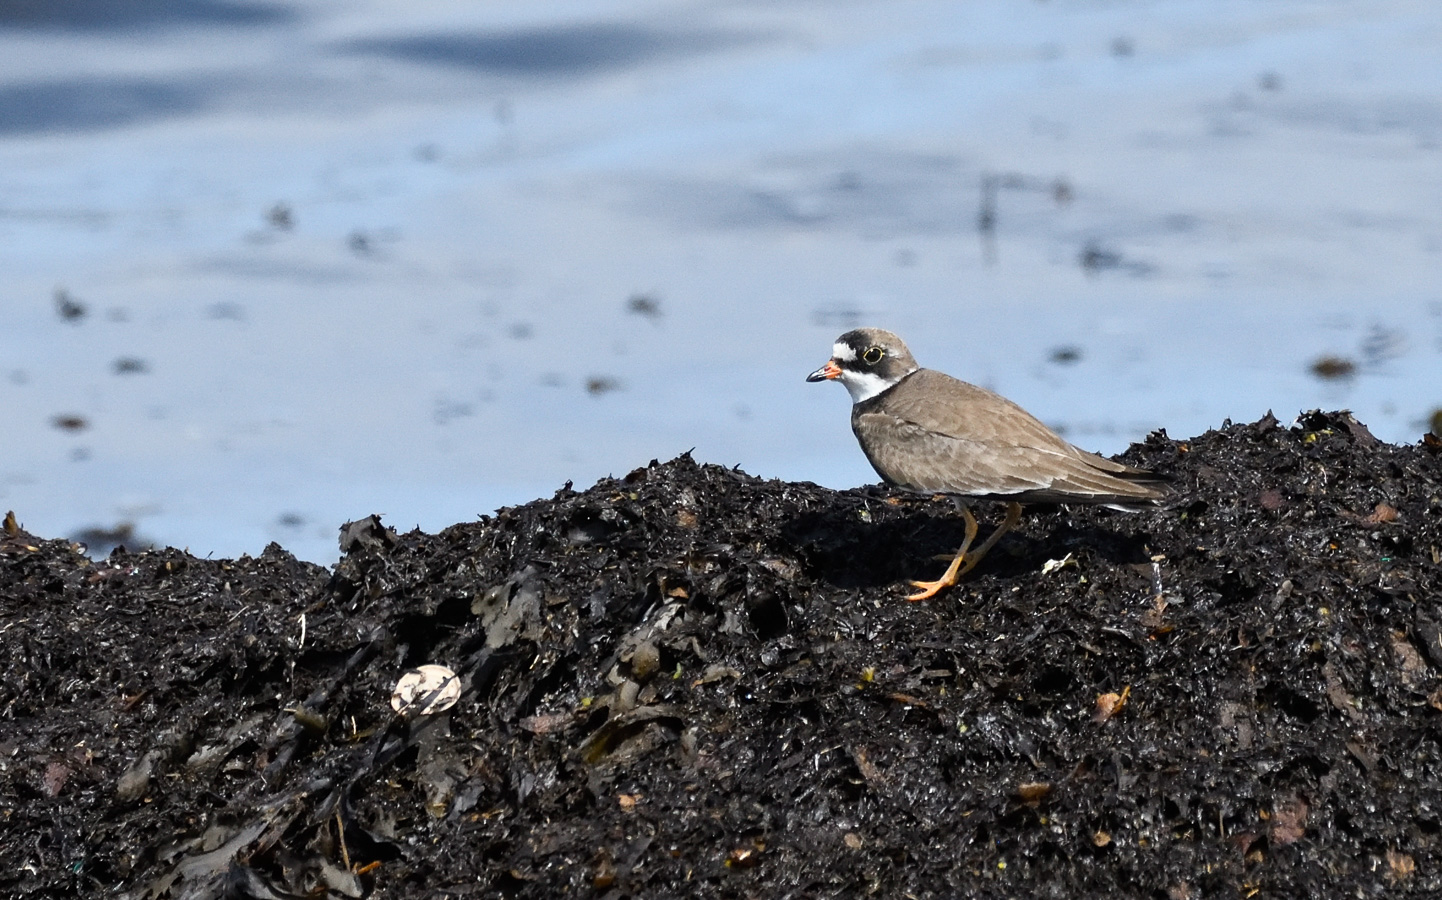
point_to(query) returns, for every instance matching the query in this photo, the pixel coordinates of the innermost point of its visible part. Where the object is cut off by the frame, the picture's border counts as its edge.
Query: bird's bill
(826, 373)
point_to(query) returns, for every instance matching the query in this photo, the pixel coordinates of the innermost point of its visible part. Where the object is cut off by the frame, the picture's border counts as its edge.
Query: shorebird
(929, 433)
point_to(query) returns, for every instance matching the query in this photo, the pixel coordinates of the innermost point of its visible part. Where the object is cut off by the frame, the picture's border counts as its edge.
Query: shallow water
(323, 260)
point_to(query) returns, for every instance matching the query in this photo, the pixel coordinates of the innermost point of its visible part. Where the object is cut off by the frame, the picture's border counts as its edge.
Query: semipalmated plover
(932, 434)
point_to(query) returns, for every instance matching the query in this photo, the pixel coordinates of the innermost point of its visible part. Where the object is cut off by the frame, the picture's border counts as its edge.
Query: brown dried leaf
(1401, 866)
(56, 774)
(907, 699)
(786, 570)
(604, 875)
(716, 672)
(545, 723)
(868, 769)
(1338, 694)
(1033, 792)
(1110, 705)
(1289, 820)
(1408, 658)
(1154, 619)
(1382, 513)
(745, 857)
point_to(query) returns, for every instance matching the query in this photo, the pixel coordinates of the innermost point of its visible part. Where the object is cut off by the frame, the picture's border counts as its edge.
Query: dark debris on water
(692, 682)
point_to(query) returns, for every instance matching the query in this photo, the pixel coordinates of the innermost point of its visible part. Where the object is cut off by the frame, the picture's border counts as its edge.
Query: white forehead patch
(843, 352)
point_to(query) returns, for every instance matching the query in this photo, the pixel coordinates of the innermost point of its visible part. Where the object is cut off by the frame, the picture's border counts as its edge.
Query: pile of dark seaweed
(692, 682)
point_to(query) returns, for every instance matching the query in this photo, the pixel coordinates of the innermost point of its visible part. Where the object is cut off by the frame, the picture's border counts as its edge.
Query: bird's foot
(960, 565)
(930, 589)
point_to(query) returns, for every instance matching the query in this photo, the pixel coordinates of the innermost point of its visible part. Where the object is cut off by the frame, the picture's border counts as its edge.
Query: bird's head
(867, 361)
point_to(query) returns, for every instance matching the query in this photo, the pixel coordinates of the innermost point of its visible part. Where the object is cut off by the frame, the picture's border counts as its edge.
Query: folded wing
(979, 444)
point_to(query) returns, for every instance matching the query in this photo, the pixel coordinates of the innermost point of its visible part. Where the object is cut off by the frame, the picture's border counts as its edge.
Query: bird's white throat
(863, 385)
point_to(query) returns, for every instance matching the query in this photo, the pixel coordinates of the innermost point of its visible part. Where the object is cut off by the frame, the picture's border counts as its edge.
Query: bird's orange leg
(930, 588)
(964, 563)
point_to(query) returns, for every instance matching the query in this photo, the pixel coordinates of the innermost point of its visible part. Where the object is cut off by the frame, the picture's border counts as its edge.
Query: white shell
(425, 691)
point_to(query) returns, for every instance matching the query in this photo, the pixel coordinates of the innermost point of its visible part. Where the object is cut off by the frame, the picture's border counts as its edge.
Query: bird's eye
(873, 355)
